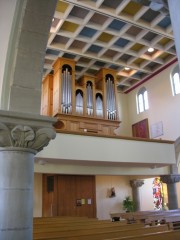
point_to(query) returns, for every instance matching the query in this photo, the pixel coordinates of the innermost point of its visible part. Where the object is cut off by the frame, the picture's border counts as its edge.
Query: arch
(25, 55)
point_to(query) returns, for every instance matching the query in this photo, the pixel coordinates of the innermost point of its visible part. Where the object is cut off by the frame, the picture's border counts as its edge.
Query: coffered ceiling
(113, 34)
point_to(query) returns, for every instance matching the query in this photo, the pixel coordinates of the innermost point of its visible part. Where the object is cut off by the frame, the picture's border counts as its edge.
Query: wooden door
(85, 192)
(76, 196)
(73, 195)
(66, 193)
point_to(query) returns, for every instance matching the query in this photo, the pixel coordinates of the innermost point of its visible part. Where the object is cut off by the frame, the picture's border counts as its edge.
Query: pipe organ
(86, 105)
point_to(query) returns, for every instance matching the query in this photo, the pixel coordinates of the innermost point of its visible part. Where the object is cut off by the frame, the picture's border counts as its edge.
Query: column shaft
(172, 196)
(171, 181)
(16, 193)
(136, 184)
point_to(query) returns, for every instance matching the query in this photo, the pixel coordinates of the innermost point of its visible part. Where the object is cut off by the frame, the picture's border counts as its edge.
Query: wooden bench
(143, 216)
(173, 221)
(42, 220)
(99, 234)
(90, 227)
(167, 235)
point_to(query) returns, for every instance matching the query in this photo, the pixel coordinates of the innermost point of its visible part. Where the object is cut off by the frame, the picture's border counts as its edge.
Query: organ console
(86, 105)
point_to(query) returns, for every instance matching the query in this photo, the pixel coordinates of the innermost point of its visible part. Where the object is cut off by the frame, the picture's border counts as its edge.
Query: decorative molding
(22, 130)
(25, 137)
(136, 183)
(169, 179)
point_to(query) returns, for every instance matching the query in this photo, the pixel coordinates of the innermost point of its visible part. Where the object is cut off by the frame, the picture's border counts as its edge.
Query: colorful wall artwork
(141, 129)
(157, 194)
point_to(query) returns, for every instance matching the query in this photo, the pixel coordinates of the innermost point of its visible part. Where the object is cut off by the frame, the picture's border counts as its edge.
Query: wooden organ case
(88, 105)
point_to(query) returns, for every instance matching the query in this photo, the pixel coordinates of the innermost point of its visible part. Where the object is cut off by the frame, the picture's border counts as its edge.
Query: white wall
(124, 128)
(163, 106)
(78, 148)
(146, 195)
(106, 205)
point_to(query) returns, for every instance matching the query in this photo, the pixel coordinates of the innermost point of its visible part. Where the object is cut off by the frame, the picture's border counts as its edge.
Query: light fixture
(150, 49)
(127, 68)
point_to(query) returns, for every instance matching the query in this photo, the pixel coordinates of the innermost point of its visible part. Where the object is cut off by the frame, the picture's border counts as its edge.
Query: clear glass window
(175, 80)
(176, 83)
(142, 100)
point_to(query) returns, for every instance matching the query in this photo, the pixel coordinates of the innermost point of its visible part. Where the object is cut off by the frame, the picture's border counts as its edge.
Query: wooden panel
(47, 96)
(106, 130)
(73, 126)
(49, 195)
(89, 126)
(56, 93)
(141, 129)
(66, 196)
(74, 123)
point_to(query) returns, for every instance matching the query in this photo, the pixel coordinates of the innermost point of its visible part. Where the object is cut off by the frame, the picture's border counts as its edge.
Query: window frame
(175, 86)
(142, 100)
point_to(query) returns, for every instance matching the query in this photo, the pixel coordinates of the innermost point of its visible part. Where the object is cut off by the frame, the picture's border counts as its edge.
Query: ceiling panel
(111, 34)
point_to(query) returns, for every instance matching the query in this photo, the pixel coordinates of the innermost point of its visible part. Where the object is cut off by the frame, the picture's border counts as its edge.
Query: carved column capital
(25, 130)
(171, 178)
(136, 183)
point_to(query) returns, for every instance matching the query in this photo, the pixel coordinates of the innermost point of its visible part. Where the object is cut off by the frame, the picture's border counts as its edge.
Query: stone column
(21, 137)
(171, 181)
(136, 184)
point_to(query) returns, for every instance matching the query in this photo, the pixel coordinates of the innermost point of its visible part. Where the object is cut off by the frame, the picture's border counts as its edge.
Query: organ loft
(86, 105)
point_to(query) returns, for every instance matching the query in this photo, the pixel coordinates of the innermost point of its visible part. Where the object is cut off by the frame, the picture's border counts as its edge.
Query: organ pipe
(110, 98)
(79, 102)
(89, 96)
(99, 106)
(66, 105)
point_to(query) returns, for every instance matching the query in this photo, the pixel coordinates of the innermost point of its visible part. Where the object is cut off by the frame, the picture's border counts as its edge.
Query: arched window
(142, 100)
(175, 80)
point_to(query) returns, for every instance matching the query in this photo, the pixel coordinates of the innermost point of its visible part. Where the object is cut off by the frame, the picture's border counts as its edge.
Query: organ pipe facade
(84, 105)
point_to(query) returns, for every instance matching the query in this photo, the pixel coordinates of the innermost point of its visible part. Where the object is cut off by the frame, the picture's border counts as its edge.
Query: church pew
(141, 216)
(98, 234)
(74, 224)
(173, 221)
(166, 235)
(62, 219)
(102, 225)
(156, 219)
